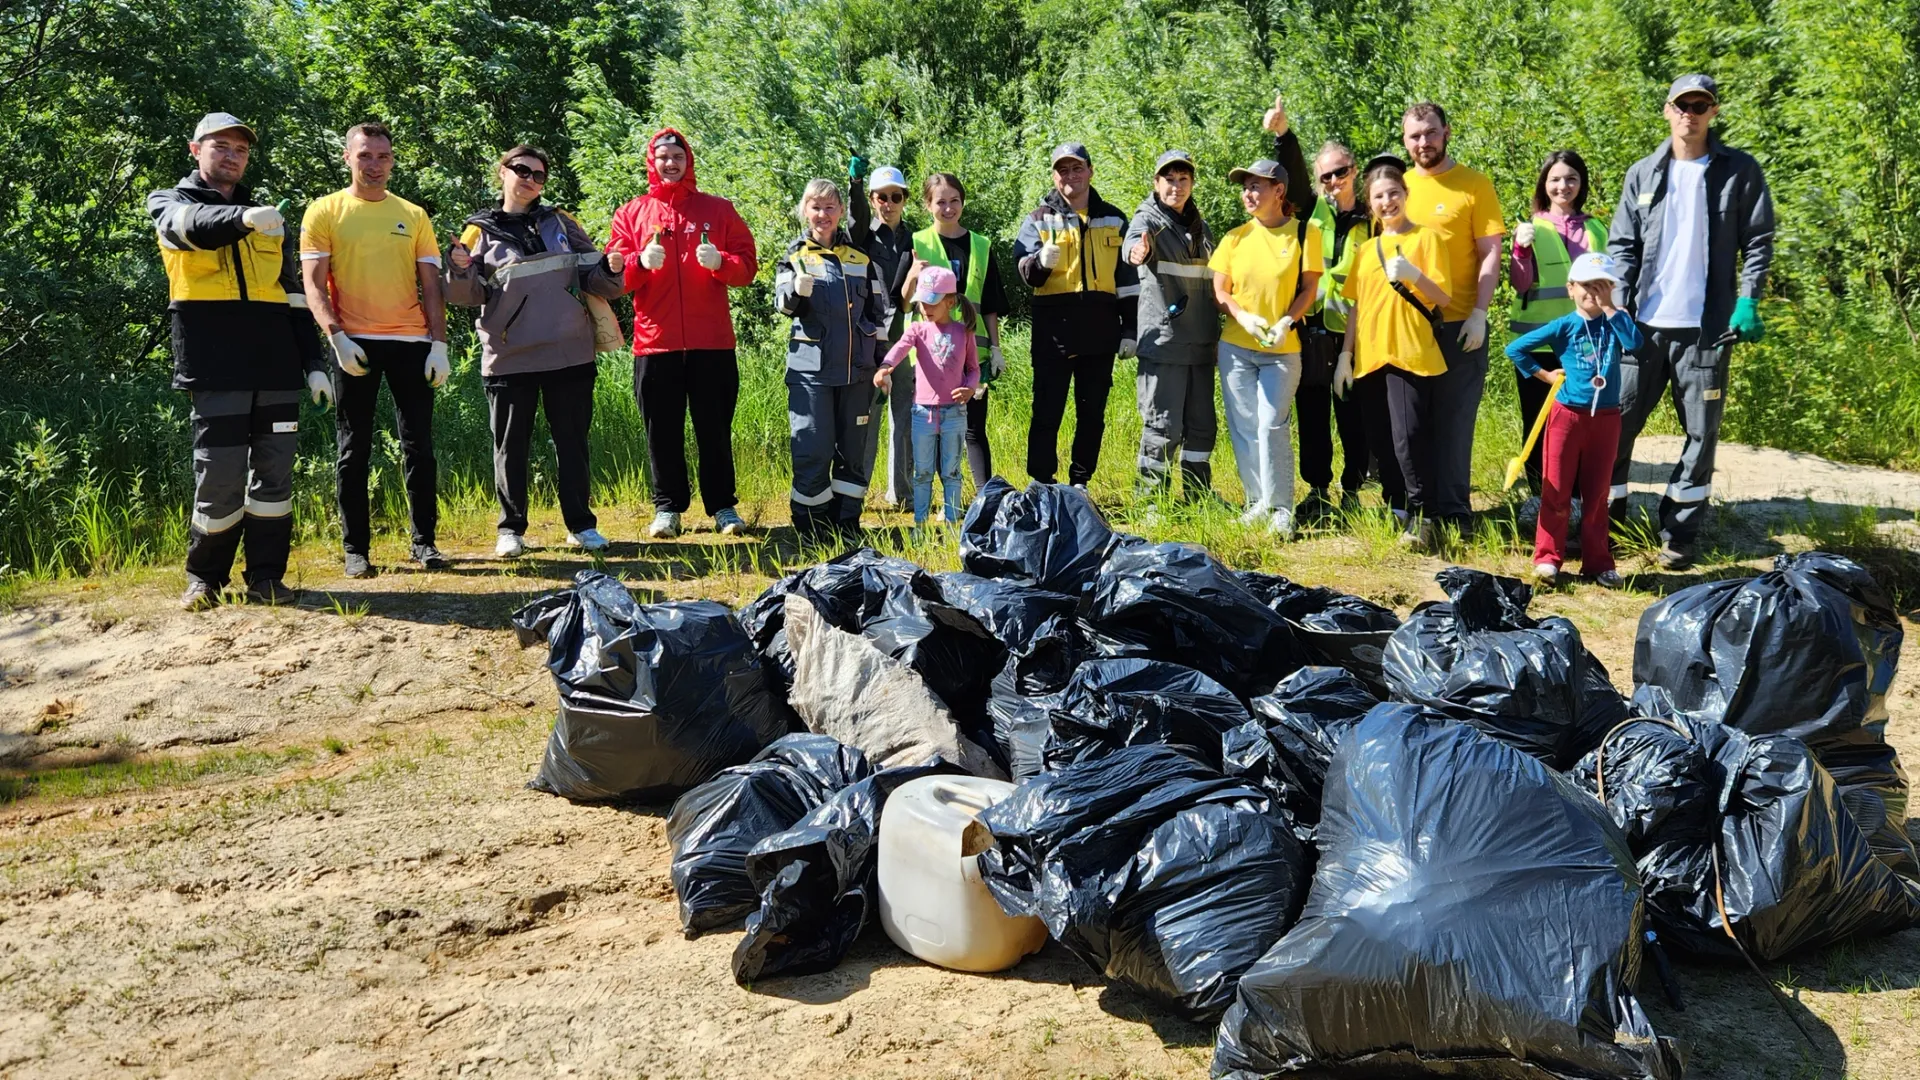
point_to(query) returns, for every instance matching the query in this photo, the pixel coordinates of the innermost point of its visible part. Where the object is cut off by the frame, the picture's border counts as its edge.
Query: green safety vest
(1548, 300)
(928, 249)
(1338, 268)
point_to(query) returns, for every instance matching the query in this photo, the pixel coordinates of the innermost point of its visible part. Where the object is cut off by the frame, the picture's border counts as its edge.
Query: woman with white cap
(885, 238)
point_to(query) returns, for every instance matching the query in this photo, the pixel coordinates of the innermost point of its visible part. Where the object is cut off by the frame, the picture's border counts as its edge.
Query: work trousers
(1579, 448)
(1091, 379)
(1176, 415)
(827, 434)
(670, 385)
(567, 396)
(243, 447)
(403, 364)
(1455, 397)
(979, 453)
(1534, 396)
(1369, 399)
(939, 433)
(1311, 407)
(1697, 374)
(1411, 401)
(898, 408)
(1257, 391)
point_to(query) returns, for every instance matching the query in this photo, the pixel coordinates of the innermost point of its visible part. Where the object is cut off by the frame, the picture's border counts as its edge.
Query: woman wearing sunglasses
(532, 270)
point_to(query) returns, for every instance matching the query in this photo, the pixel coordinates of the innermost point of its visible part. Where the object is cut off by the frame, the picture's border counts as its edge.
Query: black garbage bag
(765, 621)
(1808, 649)
(1050, 536)
(1152, 867)
(1335, 628)
(1715, 816)
(1287, 747)
(1481, 659)
(1473, 913)
(816, 880)
(1177, 603)
(654, 698)
(1109, 704)
(1044, 646)
(713, 826)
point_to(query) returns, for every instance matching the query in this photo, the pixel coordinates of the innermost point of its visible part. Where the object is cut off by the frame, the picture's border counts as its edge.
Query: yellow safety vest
(1548, 300)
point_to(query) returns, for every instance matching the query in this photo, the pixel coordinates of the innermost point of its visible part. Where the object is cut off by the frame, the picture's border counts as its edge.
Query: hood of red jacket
(659, 188)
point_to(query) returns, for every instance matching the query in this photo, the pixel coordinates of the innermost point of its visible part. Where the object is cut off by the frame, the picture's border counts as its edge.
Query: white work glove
(1473, 332)
(653, 256)
(996, 361)
(803, 284)
(1049, 254)
(352, 358)
(1254, 325)
(1343, 376)
(1523, 235)
(708, 256)
(1400, 268)
(319, 386)
(437, 367)
(264, 220)
(1278, 331)
(1127, 347)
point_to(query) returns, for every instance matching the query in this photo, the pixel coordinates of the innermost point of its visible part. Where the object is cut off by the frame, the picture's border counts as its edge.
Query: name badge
(1711, 395)
(283, 427)
(1646, 198)
(861, 420)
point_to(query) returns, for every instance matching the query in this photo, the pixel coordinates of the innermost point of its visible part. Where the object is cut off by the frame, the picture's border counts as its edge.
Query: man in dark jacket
(1168, 241)
(243, 347)
(1084, 297)
(1693, 236)
(885, 239)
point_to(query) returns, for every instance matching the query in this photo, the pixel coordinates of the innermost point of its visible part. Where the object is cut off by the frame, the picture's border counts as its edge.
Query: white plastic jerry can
(932, 900)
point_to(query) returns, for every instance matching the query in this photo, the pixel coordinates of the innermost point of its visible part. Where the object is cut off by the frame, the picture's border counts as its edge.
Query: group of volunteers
(1355, 295)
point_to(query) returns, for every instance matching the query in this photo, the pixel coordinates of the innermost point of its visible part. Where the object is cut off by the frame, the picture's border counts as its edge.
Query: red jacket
(682, 305)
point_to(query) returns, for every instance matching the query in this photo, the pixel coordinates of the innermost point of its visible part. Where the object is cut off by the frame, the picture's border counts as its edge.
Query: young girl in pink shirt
(949, 375)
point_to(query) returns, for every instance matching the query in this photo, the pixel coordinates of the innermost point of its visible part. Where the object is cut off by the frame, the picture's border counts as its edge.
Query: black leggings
(979, 454)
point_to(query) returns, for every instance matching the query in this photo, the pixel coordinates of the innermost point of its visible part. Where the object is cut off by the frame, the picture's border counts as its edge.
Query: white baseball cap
(886, 176)
(1596, 266)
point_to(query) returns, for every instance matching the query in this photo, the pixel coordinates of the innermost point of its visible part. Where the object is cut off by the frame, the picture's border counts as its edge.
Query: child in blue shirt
(1583, 428)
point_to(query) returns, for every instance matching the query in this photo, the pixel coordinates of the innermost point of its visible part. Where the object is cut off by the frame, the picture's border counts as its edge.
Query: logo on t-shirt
(399, 228)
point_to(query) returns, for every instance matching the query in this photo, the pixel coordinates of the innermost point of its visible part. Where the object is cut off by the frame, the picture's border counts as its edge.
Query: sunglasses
(1696, 106)
(1336, 174)
(538, 176)
(890, 196)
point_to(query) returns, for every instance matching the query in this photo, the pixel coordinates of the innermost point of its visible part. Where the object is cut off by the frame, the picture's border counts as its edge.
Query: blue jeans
(1257, 389)
(939, 437)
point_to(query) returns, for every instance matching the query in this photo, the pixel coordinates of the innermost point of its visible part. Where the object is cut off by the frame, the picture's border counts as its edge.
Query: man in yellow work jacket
(243, 348)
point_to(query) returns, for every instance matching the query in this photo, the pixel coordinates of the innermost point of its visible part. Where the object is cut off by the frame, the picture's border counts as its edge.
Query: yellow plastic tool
(1518, 466)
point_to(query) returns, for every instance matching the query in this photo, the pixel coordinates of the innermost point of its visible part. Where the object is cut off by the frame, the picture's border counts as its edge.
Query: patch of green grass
(333, 745)
(145, 774)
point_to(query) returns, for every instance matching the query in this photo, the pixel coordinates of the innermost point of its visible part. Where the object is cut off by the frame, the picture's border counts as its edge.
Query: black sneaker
(270, 591)
(358, 566)
(429, 556)
(1670, 557)
(1315, 509)
(199, 597)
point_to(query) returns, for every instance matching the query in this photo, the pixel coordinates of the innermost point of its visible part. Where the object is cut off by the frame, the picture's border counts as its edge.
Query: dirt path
(344, 875)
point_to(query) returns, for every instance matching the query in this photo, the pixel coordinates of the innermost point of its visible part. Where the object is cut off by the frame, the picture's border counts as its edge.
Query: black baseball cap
(1265, 167)
(1173, 157)
(1070, 150)
(1693, 84)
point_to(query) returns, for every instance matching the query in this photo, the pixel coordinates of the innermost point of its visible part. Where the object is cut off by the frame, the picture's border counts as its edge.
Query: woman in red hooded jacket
(686, 249)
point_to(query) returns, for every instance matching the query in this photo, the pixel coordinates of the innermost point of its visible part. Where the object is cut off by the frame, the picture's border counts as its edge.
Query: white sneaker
(1546, 573)
(588, 540)
(509, 546)
(1255, 514)
(1281, 524)
(666, 525)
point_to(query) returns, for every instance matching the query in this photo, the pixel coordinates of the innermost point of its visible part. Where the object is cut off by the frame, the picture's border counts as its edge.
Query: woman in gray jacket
(532, 271)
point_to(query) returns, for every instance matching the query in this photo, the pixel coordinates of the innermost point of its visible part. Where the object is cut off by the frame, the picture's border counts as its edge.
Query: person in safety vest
(372, 267)
(825, 286)
(1693, 235)
(1343, 224)
(243, 348)
(683, 250)
(531, 269)
(1559, 231)
(883, 235)
(970, 256)
(1084, 300)
(1170, 244)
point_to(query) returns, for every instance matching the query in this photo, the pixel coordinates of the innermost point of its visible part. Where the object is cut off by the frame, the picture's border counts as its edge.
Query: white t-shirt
(1678, 290)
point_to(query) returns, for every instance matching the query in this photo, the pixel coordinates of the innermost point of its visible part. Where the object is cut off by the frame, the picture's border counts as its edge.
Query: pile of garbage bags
(1249, 798)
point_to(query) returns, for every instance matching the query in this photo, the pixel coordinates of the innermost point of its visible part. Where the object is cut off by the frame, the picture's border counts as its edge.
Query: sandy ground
(358, 884)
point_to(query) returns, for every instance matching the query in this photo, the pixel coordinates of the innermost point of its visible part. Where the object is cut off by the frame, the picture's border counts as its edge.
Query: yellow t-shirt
(1264, 266)
(1386, 329)
(1459, 205)
(373, 246)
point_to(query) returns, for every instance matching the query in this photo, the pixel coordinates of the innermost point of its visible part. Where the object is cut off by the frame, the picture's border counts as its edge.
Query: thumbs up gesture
(1523, 235)
(1275, 119)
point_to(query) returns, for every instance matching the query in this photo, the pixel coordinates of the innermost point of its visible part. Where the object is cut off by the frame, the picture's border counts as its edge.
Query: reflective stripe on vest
(1547, 300)
(1336, 270)
(928, 249)
(1089, 253)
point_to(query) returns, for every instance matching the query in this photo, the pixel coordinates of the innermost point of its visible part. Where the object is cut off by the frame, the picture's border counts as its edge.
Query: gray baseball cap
(1265, 167)
(1173, 157)
(221, 121)
(1694, 84)
(1070, 150)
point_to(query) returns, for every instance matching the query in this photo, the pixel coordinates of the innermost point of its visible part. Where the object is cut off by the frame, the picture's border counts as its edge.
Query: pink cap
(935, 282)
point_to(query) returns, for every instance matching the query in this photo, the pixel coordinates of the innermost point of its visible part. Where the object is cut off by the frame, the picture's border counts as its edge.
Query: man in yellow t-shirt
(372, 269)
(1460, 206)
(1265, 274)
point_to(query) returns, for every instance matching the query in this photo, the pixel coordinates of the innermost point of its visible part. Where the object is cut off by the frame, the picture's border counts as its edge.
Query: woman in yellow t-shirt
(1265, 273)
(1390, 357)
